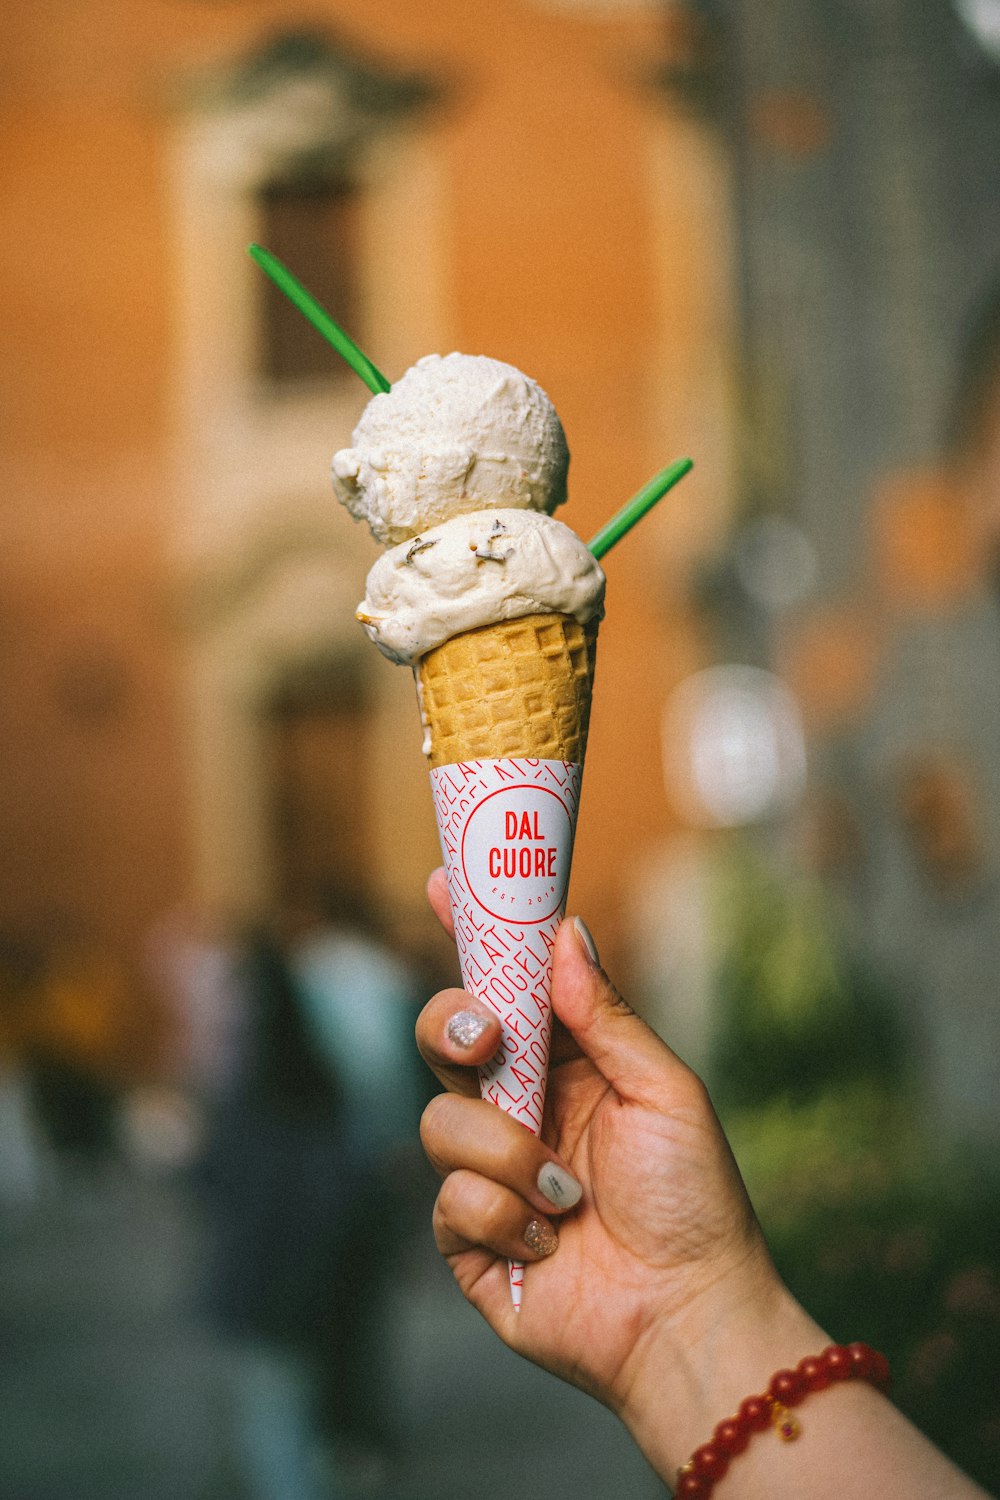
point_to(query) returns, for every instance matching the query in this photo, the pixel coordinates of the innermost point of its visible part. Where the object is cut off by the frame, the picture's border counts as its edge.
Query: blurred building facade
(753, 237)
(862, 564)
(192, 716)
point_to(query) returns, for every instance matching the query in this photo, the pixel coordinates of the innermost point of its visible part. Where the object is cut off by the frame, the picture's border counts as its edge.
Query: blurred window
(312, 226)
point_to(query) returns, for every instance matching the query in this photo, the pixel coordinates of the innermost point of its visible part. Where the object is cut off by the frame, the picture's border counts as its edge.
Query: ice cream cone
(458, 468)
(506, 709)
(517, 688)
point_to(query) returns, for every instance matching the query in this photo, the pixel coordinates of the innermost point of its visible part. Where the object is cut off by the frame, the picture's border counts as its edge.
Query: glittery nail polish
(558, 1185)
(541, 1237)
(466, 1027)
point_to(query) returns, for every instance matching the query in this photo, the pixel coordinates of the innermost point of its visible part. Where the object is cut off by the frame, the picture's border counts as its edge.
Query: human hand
(661, 1262)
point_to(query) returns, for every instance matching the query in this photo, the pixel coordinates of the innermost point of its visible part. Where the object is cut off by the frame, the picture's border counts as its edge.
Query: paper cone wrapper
(507, 821)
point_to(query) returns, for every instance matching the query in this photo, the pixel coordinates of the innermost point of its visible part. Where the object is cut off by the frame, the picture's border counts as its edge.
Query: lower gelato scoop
(457, 433)
(477, 570)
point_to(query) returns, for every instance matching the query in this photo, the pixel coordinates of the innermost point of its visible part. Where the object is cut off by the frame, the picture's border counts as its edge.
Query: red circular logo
(515, 853)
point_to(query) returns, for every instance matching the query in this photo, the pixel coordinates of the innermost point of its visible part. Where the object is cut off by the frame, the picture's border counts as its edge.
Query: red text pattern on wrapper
(507, 831)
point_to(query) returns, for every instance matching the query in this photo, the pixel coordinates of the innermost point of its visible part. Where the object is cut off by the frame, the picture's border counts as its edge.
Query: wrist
(695, 1369)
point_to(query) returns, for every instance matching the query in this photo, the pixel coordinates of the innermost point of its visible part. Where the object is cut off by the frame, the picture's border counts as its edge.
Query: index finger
(437, 895)
(457, 1034)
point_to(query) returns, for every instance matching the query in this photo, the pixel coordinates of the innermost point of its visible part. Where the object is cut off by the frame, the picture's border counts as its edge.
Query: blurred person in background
(193, 965)
(22, 1166)
(194, 968)
(362, 1004)
(74, 1049)
(277, 1196)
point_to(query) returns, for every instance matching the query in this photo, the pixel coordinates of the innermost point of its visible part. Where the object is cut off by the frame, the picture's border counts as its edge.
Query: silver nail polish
(466, 1027)
(558, 1185)
(541, 1237)
(588, 942)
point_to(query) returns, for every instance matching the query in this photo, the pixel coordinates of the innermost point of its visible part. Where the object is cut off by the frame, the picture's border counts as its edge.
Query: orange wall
(543, 134)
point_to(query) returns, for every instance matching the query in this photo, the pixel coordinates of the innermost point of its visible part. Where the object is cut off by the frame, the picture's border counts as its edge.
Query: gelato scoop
(475, 570)
(457, 433)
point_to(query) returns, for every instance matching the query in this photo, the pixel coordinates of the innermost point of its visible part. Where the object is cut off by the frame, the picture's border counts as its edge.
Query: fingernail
(558, 1185)
(466, 1027)
(541, 1237)
(583, 933)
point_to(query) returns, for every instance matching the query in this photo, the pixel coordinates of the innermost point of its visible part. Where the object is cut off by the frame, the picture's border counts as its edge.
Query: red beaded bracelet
(707, 1464)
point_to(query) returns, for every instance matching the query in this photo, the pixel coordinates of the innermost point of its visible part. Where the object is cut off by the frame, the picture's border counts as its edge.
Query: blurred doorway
(318, 732)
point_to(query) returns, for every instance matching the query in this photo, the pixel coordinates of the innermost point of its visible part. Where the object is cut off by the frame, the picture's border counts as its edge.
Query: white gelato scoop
(475, 570)
(457, 433)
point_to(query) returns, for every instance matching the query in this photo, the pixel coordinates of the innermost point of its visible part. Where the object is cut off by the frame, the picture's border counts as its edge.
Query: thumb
(639, 1066)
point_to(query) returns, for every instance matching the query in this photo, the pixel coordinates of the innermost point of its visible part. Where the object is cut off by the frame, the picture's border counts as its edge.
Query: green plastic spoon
(636, 508)
(320, 319)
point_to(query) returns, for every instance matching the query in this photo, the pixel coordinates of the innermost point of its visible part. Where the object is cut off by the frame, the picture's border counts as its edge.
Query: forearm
(852, 1444)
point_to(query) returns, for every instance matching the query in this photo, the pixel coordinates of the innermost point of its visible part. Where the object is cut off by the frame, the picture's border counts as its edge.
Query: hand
(661, 1259)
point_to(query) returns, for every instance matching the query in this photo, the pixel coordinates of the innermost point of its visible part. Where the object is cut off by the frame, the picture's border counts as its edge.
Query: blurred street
(113, 1388)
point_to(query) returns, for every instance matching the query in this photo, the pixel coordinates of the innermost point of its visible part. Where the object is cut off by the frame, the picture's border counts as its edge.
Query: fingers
(437, 895)
(455, 1035)
(632, 1058)
(501, 1187)
(472, 1135)
(471, 1211)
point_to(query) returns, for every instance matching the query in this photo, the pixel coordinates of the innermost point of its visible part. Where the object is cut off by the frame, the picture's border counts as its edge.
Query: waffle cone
(519, 688)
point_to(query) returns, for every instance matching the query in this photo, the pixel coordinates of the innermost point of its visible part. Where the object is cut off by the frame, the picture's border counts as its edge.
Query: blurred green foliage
(797, 1009)
(883, 1232)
